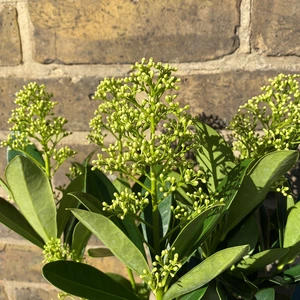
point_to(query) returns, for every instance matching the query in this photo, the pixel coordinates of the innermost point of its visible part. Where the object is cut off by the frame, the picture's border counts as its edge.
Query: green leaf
(80, 238)
(213, 155)
(191, 236)
(100, 252)
(206, 271)
(14, 220)
(165, 212)
(195, 295)
(293, 272)
(114, 238)
(121, 185)
(85, 281)
(241, 287)
(90, 202)
(265, 294)
(246, 234)
(256, 185)
(292, 236)
(32, 192)
(258, 261)
(67, 201)
(30, 151)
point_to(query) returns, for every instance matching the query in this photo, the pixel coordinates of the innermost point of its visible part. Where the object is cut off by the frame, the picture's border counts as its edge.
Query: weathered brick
(120, 31)
(3, 294)
(31, 293)
(221, 94)
(21, 263)
(73, 98)
(275, 27)
(10, 46)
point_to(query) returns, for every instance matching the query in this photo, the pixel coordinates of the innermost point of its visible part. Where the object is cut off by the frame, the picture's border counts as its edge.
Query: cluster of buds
(201, 202)
(127, 202)
(34, 120)
(128, 127)
(276, 113)
(54, 250)
(164, 269)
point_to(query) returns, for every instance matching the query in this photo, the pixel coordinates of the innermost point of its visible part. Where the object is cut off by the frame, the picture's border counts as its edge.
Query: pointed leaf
(90, 202)
(81, 236)
(100, 252)
(190, 237)
(195, 295)
(14, 220)
(85, 281)
(265, 294)
(258, 261)
(292, 236)
(114, 238)
(213, 154)
(256, 185)
(206, 271)
(67, 201)
(32, 192)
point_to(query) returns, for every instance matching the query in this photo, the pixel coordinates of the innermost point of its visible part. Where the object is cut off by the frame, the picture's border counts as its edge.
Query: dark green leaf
(207, 270)
(190, 237)
(81, 236)
(14, 220)
(90, 202)
(256, 185)
(265, 294)
(115, 239)
(85, 281)
(194, 295)
(30, 151)
(100, 252)
(246, 234)
(259, 261)
(213, 154)
(67, 201)
(32, 192)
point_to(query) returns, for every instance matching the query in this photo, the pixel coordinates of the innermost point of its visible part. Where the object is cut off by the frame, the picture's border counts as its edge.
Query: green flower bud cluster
(164, 269)
(135, 123)
(54, 250)
(34, 120)
(201, 202)
(127, 202)
(276, 112)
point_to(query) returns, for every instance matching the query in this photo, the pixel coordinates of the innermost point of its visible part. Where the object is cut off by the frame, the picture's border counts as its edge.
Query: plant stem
(132, 281)
(159, 294)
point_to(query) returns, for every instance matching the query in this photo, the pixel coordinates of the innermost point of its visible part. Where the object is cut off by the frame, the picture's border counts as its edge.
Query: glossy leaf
(67, 201)
(100, 252)
(213, 155)
(80, 238)
(13, 219)
(190, 237)
(259, 261)
(292, 236)
(91, 203)
(85, 281)
(165, 212)
(194, 295)
(114, 238)
(203, 273)
(31, 151)
(246, 234)
(265, 294)
(33, 194)
(240, 287)
(256, 185)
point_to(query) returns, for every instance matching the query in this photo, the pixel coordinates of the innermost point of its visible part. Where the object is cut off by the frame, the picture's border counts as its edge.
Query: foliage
(188, 232)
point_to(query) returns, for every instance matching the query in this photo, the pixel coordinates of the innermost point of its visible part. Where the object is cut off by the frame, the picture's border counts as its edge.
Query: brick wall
(224, 49)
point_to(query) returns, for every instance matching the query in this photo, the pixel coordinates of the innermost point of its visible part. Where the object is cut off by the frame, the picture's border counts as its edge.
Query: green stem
(132, 281)
(159, 294)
